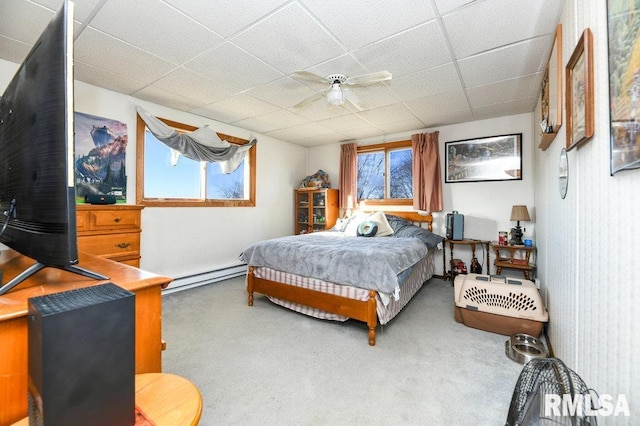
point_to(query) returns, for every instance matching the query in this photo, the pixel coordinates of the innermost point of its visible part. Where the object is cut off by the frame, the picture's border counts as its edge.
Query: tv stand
(38, 266)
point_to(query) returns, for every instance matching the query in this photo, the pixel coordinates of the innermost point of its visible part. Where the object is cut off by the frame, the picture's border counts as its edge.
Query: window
(190, 183)
(385, 173)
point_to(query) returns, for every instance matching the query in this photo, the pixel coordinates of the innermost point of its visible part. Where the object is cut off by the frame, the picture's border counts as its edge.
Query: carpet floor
(267, 365)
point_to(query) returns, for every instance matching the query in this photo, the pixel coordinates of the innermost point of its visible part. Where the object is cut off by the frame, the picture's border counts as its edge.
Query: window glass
(187, 182)
(385, 173)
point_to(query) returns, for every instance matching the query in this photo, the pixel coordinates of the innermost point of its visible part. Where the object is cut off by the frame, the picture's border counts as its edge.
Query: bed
(336, 276)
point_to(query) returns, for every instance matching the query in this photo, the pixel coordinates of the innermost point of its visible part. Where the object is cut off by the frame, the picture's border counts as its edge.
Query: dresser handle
(116, 220)
(123, 245)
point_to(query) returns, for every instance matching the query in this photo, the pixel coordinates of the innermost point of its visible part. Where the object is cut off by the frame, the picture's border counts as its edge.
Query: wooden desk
(13, 319)
(471, 243)
(165, 399)
(506, 258)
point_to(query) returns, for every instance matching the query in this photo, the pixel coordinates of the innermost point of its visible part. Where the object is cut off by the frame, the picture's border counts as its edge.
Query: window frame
(141, 127)
(386, 148)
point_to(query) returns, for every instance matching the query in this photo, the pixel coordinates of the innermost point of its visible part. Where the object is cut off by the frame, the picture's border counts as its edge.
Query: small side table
(450, 275)
(166, 400)
(506, 258)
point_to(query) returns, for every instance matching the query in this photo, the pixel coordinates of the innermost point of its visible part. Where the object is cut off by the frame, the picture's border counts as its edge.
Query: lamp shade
(520, 213)
(334, 96)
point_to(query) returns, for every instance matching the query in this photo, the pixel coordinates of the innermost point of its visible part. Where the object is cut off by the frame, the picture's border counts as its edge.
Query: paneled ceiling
(232, 61)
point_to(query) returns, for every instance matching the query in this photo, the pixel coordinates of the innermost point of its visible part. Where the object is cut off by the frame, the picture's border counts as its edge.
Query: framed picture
(623, 19)
(484, 159)
(579, 96)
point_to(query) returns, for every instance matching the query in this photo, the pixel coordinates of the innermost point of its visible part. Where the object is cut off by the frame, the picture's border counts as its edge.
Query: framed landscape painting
(623, 19)
(484, 159)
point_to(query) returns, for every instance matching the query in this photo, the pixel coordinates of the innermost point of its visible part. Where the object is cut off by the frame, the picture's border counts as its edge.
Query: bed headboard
(415, 218)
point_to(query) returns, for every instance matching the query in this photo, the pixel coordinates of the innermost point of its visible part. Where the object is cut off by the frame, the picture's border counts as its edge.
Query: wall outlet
(537, 281)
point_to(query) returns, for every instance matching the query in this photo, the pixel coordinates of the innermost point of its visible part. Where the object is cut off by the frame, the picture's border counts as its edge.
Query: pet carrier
(540, 390)
(499, 304)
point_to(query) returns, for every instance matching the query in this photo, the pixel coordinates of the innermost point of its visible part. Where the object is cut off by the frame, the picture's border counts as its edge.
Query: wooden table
(165, 399)
(468, 242)
(507, 257)
(13, 319)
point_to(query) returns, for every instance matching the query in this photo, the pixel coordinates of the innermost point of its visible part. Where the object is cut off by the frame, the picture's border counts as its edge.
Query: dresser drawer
(111, 245)
(82, 221)
(104, 220)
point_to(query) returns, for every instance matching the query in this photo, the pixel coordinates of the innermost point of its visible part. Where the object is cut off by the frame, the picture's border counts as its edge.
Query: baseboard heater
(207, 277)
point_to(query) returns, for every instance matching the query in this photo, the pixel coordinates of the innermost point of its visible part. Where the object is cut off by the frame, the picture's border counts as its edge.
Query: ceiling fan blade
(309, 76)
(374, 77)
(310, 99)
(353, 99)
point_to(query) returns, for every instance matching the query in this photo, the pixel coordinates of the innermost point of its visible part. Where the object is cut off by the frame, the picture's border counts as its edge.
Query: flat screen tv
(37, 193)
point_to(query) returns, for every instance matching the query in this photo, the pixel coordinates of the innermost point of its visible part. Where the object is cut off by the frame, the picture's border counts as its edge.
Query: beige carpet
(266, 365)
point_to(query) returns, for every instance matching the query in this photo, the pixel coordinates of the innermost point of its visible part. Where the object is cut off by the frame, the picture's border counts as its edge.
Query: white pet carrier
(499, 304)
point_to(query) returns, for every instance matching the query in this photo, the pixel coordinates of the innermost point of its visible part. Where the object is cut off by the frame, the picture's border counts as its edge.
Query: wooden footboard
(359, 310)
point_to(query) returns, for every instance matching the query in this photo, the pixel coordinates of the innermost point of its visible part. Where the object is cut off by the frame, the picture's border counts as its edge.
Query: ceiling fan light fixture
(334, 96)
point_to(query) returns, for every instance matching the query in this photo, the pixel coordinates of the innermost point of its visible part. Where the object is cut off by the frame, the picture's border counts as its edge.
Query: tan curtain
(427, 179)
(348, 175)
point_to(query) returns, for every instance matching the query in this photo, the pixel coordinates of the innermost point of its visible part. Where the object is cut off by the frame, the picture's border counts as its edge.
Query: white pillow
(352, 227)
(384, 229)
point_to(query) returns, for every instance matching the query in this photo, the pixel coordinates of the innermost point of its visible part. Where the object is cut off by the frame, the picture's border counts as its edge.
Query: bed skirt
(385, 309)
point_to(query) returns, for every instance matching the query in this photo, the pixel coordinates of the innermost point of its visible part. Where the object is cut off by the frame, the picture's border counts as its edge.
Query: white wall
(179, 241)
(485, 205)
(588, 262)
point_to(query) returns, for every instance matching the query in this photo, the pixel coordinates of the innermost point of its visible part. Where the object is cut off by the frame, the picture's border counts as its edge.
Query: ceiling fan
(336, 94)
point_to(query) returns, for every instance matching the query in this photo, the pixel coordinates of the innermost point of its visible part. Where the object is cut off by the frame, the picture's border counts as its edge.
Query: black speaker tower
(82, 357)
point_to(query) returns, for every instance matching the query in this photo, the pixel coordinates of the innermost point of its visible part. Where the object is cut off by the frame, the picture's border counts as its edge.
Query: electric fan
(538, 396)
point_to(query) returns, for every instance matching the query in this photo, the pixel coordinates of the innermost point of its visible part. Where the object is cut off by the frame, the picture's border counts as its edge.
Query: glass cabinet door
(302, 212)
(319, 209)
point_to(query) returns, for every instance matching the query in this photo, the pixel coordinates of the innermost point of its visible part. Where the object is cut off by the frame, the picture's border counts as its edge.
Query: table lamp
(518, 213)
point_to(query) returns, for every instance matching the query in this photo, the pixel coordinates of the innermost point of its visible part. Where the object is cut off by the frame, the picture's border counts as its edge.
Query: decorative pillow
(368, 228)
(384, 229)
(351, 228)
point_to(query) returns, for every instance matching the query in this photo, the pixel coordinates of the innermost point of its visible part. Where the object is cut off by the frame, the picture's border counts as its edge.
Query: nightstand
(514, 257)
(452, 243)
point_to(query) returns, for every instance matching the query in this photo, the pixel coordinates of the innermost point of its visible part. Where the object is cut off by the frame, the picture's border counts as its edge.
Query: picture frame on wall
(623, 22)
(579, 92)
(492, 158)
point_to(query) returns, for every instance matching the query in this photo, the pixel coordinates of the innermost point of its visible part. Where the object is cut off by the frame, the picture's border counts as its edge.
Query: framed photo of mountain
(100, 154)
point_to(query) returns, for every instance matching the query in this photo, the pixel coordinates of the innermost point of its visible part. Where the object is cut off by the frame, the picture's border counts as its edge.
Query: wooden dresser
(110, 231)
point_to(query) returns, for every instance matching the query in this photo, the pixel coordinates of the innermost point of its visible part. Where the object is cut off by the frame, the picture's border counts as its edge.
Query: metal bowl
(523, 348)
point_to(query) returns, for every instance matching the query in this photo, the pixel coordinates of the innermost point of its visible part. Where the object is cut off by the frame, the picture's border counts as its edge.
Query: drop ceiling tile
(309, 130)
(412, 124)
(344, 122)
(419, 48)
(119, 58)
(490, 24)
(363, 133)
(320, 110)
(82, 8)
(360, 22)
(289, 40)
(191, 85)
(237, 108)
(503, 91)
(426, 82)
(226, 17)
(233, 67)
(103, 78)
(14, 50)
(375, 95)
(162, 30)
(527, 57)
(13, 23)
(162, 97)
(445, 6)
(430, 106)
(388, 114)
(284, 92)
(282, 119)
(518, 106)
